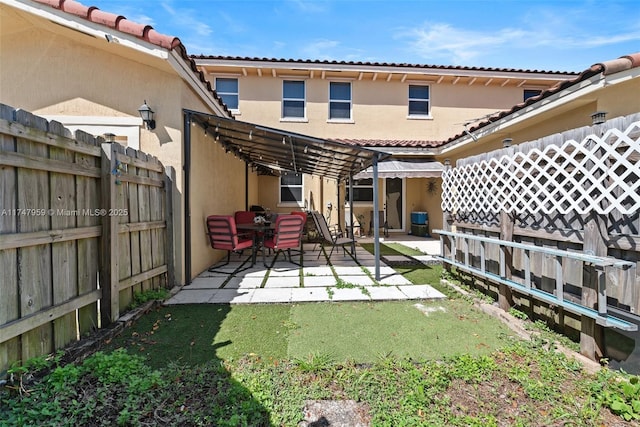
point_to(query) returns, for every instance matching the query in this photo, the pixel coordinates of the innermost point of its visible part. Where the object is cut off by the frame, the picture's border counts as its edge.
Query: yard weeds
(524, 384)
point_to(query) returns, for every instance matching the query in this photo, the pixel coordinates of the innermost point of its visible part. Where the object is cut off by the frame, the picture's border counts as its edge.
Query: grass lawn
(404, 363)
(356, 331)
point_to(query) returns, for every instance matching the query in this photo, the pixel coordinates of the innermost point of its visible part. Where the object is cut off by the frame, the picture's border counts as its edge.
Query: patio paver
(318, 282)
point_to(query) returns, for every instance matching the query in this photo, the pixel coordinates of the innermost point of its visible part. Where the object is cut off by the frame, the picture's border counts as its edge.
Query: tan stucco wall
(379, 112)
(50, 70)
(379, 108)
(217, 187)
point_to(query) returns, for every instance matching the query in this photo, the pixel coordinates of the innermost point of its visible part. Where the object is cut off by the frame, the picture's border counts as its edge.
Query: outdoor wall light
(598, 117)
(506, 143)
(147, 116)
(447, 162)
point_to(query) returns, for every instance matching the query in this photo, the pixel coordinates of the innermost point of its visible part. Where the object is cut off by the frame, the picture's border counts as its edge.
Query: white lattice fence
(597, 173)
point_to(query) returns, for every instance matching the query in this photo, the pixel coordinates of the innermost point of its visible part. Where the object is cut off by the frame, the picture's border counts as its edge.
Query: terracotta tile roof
(607, 67)
(390, 143)
(378, 64)
(140, 31)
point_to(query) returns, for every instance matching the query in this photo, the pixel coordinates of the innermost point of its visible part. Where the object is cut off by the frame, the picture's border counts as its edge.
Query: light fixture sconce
(506, 143)
(447, 162)
(598, 117)
(147, 116)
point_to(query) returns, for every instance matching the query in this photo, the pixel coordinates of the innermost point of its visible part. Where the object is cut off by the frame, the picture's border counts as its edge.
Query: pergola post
(376, 219)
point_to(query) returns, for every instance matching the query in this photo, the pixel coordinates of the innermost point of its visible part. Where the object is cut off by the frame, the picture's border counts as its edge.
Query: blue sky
(558, 35)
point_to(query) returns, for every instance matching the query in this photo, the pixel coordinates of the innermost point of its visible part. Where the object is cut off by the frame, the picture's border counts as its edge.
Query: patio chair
(334, 239)
(302, 215)
(223, 235)
(287, 235)
(245, 217)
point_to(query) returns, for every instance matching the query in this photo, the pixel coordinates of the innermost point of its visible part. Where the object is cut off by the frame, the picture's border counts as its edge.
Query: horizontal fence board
(43, 137)
(141, 180)
(22, 240)
(133, 227)
(43, 164)
(155, 166)
(46, 315)
(139, 278)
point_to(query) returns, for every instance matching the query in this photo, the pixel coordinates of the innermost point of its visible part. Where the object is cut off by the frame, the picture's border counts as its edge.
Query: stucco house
(92, 70)
(407, 110)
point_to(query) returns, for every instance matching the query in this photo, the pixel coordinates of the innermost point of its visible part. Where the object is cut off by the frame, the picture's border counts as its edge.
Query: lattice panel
(599, 174)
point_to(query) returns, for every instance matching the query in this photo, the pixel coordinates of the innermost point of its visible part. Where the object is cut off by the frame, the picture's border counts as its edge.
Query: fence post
(592, 334)
(109, 272)
(169, 180)
(447, 220)
(505, 297)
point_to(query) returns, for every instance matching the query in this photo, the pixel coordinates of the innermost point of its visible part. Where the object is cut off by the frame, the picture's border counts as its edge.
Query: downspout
(246, 186)
(338, 206)
(186, 167)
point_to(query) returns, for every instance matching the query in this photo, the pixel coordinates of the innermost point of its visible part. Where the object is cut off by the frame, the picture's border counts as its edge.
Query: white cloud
(321, 49)
(444, 42)
(187, 20)
(308, 6)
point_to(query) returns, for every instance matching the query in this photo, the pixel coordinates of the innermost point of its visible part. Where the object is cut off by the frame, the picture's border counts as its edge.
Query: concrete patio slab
(211, 282)
(362, 280)
(247, 282)
(279, 271)
(282, 282)
(349, 294)
(421, 292)
(324, 270)
(232, 296)
(272, 295)
(319, 281)
(348, 271)
(309, 294)
(394, 279)
(192, 296)
(383, 293)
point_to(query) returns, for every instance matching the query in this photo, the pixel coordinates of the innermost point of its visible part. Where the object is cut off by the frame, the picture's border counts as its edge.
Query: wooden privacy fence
(558, 221)
(83, 225)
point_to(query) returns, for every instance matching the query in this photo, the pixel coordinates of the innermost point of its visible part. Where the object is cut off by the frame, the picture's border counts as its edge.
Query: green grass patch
(391, 249)
(362, 332)
(358, 331)
(195, 334)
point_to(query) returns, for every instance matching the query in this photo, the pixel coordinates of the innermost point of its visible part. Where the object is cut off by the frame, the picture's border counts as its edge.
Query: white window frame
(427, 100)
(284, 118)
(350, 102)
(237, 94)
(361, 202)
(299, 203)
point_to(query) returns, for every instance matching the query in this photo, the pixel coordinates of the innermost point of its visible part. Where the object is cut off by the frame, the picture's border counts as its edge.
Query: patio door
(394, 203)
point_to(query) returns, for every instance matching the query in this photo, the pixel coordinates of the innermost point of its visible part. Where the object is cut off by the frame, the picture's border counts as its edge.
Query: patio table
(258, 236)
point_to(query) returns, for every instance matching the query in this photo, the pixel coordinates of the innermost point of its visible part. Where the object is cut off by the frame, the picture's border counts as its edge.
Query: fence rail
(83, 225)
(518, 216)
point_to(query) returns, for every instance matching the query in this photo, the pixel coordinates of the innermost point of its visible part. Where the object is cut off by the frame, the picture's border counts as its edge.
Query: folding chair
(334, 239)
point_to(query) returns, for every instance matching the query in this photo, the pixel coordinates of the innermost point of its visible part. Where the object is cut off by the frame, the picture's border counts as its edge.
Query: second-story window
(339, 101)
(293, 99)
(227, 89)
(418, 100)
(530, 93)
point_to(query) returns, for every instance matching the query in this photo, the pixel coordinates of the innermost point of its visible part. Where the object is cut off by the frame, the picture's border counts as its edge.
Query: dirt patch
(335, 413)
